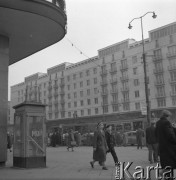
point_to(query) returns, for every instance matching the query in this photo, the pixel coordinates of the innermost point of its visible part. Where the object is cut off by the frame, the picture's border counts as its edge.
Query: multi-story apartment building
(108, 87)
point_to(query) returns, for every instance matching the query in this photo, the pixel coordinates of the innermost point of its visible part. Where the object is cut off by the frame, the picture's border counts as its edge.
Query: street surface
(62, 165)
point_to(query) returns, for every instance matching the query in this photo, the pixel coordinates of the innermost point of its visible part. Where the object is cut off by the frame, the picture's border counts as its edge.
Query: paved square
(62, 164)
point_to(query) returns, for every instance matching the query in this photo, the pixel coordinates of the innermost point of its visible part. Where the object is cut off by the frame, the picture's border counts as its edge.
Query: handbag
(73, 143)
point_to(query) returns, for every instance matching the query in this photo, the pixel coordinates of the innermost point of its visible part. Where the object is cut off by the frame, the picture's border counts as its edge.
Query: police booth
(29, 149)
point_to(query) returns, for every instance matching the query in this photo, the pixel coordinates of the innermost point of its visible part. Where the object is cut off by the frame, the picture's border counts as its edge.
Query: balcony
(38, 24)
(124, 78)
(113, 70)
(104, 83)
(49, 88)
(125, 100)
(56, 94)
(161, 83)
(114, 81)
(104, 104)
(62, 101)
(56, 102)
(160, 95)
(62, 93)
(123, 67)
(104, 93)
(171, 68)
(62, 84)
(157, 58)
(172, 81)
(171, 55)
(103, 73)
(55, 86)
(114, 102)
(158, 71)
(173, 93)
(114, 91)
(125, 89)
(49, 103)
(50, 95)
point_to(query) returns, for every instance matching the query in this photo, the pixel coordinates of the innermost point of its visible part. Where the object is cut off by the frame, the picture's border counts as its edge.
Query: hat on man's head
(166, 113)
(99, 124)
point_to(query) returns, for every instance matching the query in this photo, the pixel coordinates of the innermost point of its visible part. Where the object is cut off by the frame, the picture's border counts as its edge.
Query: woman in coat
(167, 141)
(71, 140)
(99, 147)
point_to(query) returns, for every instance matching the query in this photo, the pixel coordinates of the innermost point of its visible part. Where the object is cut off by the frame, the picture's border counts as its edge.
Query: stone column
(4, 62)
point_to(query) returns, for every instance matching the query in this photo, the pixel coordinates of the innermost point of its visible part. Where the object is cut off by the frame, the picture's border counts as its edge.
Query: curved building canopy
(31, 25)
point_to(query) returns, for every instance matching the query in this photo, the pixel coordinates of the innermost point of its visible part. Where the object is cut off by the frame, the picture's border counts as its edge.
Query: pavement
(64, 165)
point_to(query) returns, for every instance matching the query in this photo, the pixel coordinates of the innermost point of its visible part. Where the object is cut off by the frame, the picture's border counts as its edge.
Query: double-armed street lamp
(144, 62)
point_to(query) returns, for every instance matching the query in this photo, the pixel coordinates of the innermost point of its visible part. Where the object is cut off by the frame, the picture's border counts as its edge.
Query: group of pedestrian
(161, 142)
(103, 142)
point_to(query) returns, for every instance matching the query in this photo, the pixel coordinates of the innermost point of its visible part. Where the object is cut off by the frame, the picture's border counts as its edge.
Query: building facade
(108, 87)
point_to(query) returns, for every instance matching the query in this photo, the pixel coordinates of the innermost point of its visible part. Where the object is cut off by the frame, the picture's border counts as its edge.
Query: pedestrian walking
(139, 137)
(99, 147)
(152, 143)
(71, 140)
(167, 142)
(110, 139)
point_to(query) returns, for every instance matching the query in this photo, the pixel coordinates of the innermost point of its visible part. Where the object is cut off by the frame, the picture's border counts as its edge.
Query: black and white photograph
(87, 89)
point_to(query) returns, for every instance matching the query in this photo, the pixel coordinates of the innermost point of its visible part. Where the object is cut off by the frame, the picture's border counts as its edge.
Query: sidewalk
(62, 164)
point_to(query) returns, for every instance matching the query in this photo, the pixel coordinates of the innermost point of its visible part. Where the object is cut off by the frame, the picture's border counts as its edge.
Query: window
(44, 93)
(89, 111)
(124, 63)
(96, 100)
(88, 82)
(115, 98)
(134, 59)
(74, 76)
(44, 85)
(75, 94)
(161, 102)
(105, 100)
(171, 39)
(69, 105)
(81, 74)
(50, 115)
(136, 82)
(159, 79)
(88, 92)
(96, 110)
(82, 112)
(74, 85)
(68, 87)
(95, 80)
(115, 108)
(68, 78)
(126, 106)
(174, 100)
(69, 96)
(136, 94)
(81, 84)
(75, 104)
(69, 114)
(113, 66)
(105, 109)
(81, 93)
(160, 91)
(56, 115)
(87, 73)
(172, 50)
(173, 87)
(173, 75)
(137, 106)
(95, 91)
(135, 70)
(88, 102)
(95, 70)
(82, 103)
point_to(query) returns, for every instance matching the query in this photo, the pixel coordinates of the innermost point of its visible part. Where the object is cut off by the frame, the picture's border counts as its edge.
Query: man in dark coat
(99, 147)
(139, 136)
(152, 143)
(110, 139)
(167, 141)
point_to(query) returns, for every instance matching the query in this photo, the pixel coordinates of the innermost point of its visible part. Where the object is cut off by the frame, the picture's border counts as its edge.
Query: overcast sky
(92, 25)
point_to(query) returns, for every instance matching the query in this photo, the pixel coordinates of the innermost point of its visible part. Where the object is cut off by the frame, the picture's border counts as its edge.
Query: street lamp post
(144, 62)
